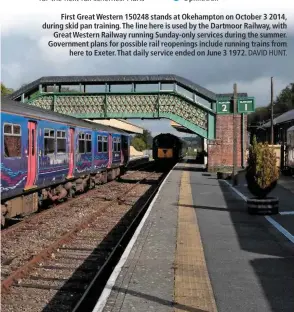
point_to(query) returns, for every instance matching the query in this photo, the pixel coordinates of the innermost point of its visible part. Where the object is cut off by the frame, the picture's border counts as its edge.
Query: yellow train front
(168, 148)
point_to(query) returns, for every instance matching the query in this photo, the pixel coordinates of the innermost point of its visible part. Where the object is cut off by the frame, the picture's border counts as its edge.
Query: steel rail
(27, 267)
(116, 253)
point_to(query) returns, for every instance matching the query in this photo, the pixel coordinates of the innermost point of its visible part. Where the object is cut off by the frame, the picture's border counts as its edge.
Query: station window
(88, 142)
(61, 141)
(12, 140)
(49, 140)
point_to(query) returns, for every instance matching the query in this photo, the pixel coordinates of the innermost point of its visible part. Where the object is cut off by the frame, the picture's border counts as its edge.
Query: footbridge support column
(204, 148)
(220, 150)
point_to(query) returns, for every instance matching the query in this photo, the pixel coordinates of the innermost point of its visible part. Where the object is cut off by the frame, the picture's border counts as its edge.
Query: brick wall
(220, 150)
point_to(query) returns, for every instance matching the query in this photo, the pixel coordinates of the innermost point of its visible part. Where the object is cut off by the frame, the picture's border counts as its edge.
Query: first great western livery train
(47, 156)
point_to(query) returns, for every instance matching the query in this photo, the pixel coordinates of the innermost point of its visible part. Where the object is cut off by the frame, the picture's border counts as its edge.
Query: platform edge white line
(280, 228)
(284, 213)
(274, 223)
(236, 191)
(113, 277)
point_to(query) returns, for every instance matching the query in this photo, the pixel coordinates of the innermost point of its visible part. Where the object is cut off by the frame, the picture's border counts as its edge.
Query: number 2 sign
(223, 107)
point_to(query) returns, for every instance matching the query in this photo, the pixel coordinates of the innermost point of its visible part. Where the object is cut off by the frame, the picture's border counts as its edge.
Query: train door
(71, 151)
(116, 149)
(31, 154)
(125, 148)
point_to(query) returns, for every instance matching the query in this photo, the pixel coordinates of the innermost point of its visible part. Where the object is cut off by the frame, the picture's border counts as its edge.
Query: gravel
(72, 266)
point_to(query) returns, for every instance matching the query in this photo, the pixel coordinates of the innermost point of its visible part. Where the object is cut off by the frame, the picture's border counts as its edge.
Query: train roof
(168, 134)
(23, 109)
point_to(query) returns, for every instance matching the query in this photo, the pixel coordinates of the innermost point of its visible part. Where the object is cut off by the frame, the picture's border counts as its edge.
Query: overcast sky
(26, 56)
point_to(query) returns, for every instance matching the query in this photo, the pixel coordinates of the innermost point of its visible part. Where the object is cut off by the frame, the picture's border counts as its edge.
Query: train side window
(81, 143)
(105, 144)
(114, 144)
(16, 129)
(61, 142)
(49, 141)
(12, 140)
(99, 145)
(118, 145)
(88, 141)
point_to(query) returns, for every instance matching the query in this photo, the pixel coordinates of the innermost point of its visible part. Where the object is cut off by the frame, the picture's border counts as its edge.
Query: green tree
(285, 100)
(283, 103)
(146, 137)
(4, 90)
(138, 144)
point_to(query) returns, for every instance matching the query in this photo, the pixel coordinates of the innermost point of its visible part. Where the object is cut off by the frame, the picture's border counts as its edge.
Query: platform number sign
(246, 105)
(224, 107)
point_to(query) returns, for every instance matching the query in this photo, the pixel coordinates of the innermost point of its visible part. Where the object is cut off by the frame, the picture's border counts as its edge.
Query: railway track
(59, 271)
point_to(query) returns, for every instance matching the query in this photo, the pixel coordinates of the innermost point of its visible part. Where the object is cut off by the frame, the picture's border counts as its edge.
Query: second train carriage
(47, 155)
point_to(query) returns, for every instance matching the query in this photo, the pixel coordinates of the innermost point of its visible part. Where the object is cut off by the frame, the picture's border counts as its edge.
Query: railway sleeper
(56, 279)
(61, 268)
(80, 287)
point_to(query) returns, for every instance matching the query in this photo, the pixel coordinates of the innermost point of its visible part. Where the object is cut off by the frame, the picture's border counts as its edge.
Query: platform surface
(199, 251)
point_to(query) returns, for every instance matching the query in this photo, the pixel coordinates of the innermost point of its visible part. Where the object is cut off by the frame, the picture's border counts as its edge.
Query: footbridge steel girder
(170, 105)
(183, 104)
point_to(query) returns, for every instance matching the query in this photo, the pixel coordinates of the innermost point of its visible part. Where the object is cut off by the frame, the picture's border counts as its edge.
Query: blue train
(47, 156)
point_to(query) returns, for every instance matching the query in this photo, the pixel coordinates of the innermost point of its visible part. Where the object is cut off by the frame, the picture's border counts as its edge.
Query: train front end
(166, 149)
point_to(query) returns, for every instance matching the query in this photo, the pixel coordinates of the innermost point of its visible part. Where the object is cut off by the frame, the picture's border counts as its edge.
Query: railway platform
(198, 250)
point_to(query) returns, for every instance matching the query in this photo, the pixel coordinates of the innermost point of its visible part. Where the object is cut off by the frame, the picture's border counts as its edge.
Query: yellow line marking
(193, 290)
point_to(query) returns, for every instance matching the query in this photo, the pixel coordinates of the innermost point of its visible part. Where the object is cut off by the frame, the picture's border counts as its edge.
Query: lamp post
(272, 112)
(235, 155)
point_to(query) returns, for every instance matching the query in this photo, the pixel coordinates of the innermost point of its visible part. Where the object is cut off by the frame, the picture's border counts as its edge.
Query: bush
(262, 173)
(138, 144)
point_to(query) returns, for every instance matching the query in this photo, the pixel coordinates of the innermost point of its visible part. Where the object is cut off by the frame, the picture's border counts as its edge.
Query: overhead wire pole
(235, 152)
(272, 112)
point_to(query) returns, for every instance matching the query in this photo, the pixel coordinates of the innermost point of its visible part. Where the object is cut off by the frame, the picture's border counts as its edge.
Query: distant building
(281, 124)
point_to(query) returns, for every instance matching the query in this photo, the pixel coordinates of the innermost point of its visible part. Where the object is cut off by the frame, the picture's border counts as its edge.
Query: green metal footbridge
(143, 96)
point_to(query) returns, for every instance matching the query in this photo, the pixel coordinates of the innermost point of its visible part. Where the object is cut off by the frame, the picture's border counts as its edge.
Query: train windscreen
(165, 142)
